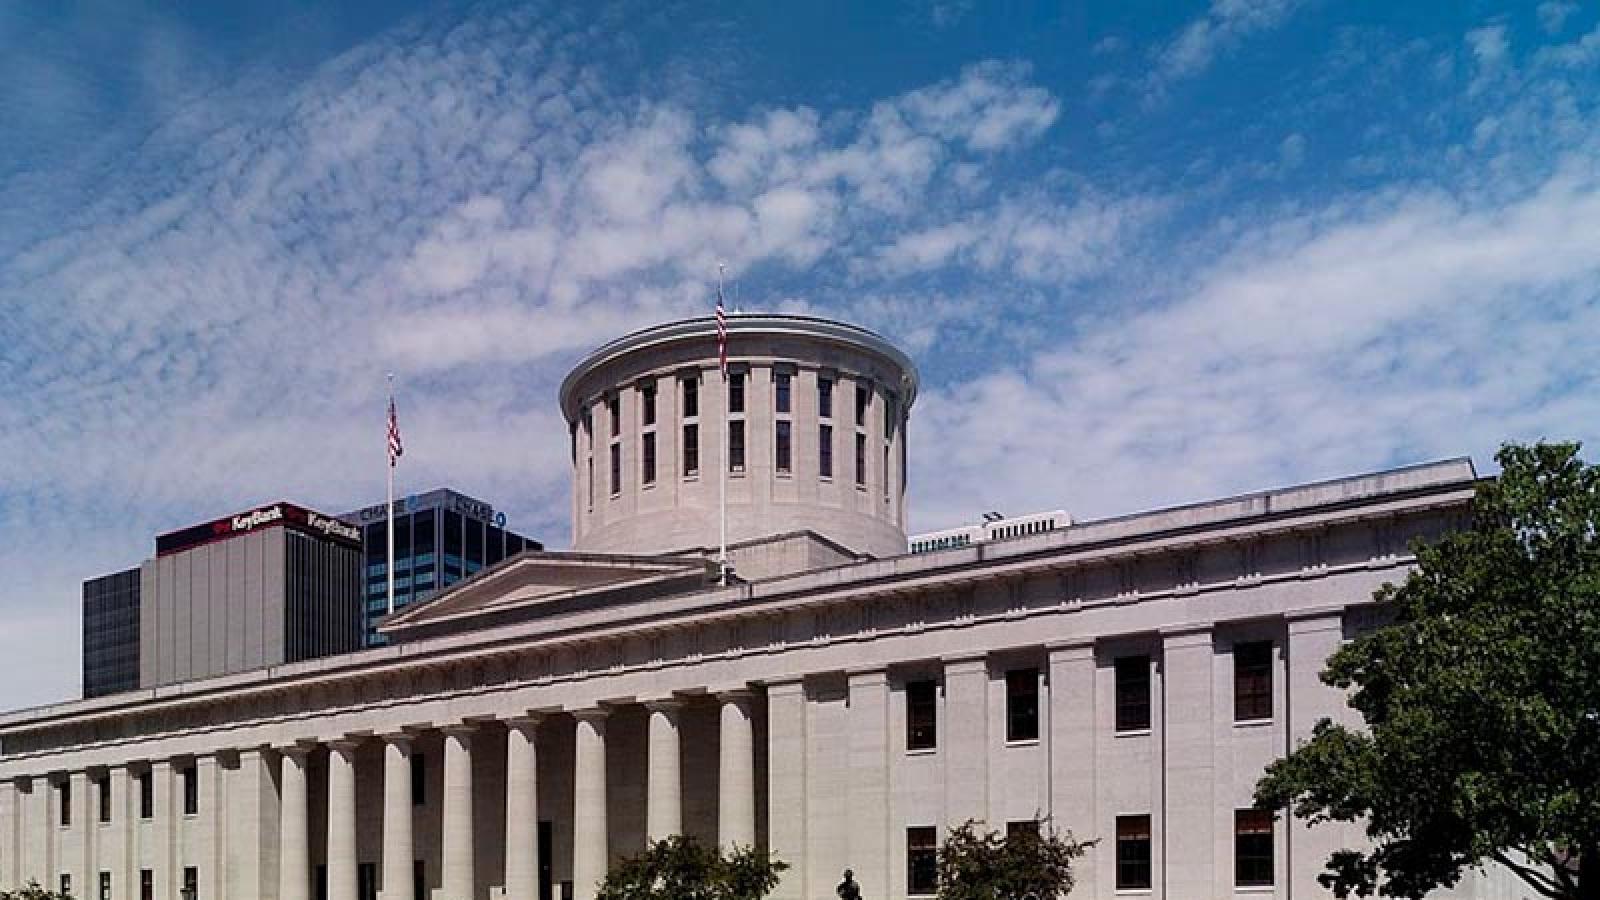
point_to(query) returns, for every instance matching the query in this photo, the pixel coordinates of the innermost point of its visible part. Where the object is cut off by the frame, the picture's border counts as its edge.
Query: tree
(33, 892)
(1481, 701)
(681, 868)
(1031, 863)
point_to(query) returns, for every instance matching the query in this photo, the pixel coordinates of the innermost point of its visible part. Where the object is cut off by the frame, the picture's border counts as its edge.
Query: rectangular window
(861, 460)
(147, 795)
(648, 457)
(1252, 681)
(147, 885)
(647, 403)
(824, 398)
(1022, 705)
(691, 450)
(367, 881)
(105, 886)
(781, 398)
(191, 883)
(191, 791)
(103, 789)
(922, 715)
(886, 472)
(825, 451)
(922, 861)
(419, 880)
(614, 413)
(1133, 693)
(736, 446)
(64, 798)
(1133, 853)
(861, 405)
(1252, 847)
(691, 397)
(1026, 830)
(66, 885)
(419, 779)
(783, 451)
(888, 417)
(616, 469)
(736, 392)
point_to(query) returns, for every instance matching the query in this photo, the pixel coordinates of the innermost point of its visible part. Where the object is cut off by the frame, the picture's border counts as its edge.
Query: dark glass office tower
(440, 538)
(111, 633)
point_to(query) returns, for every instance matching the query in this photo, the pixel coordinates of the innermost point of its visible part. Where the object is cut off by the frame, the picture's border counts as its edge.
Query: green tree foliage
(680, 868)
(1027, 865)
(1481, 702)
(33, 892)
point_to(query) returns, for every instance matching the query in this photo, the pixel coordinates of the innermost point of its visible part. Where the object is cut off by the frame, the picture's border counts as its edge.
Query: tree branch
(1540, 882)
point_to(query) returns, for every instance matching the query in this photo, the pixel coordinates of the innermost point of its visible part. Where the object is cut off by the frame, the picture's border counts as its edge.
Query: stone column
(786, 784)
(116, 850)
(966, 747)
(399, 852)
(1303, 850)
(164, 832)
(1073, 735)
(251, 845)
(736, 781)
(868, 782)
(209, 837)
(342, 820)
(456, 859)
(10, 852)
(664, 778)
(1183, 851)
(85, 821)
(294, 860)
(522, 808)
(590, 851)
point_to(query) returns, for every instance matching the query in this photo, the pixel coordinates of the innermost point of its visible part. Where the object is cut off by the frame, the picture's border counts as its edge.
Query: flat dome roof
(705, 328)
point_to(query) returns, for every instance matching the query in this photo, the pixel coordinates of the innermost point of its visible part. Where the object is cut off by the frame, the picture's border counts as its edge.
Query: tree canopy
(32, 891)
(1027, 864)
(1481, 701)
(681, 868)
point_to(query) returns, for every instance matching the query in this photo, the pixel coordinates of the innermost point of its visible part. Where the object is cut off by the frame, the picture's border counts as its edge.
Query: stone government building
(1128, 678)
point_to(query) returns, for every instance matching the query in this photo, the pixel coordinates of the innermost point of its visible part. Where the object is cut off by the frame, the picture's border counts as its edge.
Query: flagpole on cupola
(396, 450)
(722, 456)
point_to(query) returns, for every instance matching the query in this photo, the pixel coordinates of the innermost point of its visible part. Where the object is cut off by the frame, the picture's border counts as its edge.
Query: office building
(842, 705)
(440, 537)
(111, 633)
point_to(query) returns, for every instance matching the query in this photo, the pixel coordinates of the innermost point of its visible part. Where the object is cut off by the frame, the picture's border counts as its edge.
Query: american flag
(722, 331)
(395, 449)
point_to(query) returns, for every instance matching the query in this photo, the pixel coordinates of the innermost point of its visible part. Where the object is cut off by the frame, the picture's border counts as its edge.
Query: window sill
(648, 486)
(1133, 733)
(1133, 892)
(922, 751)
(1025, 742)
(1253, 723)
(1254, 888)
(692, 476)
(784, 474)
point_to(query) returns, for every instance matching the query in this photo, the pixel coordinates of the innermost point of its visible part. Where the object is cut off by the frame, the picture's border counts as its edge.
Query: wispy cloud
(1223, 27)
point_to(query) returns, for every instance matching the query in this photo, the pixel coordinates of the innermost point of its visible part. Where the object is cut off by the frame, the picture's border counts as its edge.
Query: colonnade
(38, 831)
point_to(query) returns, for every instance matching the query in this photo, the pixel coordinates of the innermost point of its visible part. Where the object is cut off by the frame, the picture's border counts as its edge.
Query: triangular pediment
(531, 582)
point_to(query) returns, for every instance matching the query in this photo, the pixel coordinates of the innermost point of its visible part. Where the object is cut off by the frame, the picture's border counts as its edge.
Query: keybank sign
(331, 526)
(250, 520)
(285, 514)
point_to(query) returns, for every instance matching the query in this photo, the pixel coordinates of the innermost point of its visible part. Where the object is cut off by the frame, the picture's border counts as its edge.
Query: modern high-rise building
(440, 537)
(111, 633)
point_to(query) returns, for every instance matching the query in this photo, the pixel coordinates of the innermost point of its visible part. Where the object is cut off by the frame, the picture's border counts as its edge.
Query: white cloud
(1224, 26)
(1553, 15)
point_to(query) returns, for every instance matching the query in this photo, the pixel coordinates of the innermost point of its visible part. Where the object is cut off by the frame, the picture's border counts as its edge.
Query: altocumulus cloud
(474, 203)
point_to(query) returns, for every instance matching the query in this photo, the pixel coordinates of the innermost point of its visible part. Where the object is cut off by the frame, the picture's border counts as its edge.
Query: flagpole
(722, 461)
(389, 454)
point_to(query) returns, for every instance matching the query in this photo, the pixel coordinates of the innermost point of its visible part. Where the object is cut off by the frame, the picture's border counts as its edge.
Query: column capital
(786, 686)
(527, 723)
(671, 705)
(594, 715)
(1193, 635)
(298, 750)
(1321, 618)
(1076, 648)
(735, 695)
(397, 738)
(459, 729)
(868, 675)
(966, 663)
(345, 745)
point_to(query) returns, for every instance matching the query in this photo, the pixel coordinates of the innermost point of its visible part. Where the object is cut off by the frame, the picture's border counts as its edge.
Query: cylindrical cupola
(809, 424)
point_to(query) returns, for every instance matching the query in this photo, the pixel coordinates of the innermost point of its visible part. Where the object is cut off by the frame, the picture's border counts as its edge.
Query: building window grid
(614, 414)
(690, 413)
(824, 398)
(1022, 705)
(922, 714)
(147, 795)
(647, 404)
(1133, 853)
(1133, 693)
(1253, 848)
(782, 399)
(105, 886)
(735, 392)
(782, 447)
(736, 445)
(861, 460)
(191, 883)
(647, 457)
(64, 798)
(191, 791)
(922, 861)
(691, 449)
(825, 451)
(103, 794)
(1252, 681)
(147, 884)
(616, 468)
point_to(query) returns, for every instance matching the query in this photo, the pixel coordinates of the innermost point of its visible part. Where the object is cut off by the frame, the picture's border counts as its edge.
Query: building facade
(440, 537)
(111, 633)
(1126, 679)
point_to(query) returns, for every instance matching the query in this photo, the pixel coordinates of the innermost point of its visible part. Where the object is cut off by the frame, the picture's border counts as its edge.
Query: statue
(848, 889)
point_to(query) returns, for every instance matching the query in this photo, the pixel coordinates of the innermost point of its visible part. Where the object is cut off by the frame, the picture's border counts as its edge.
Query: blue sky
(1144, 252)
